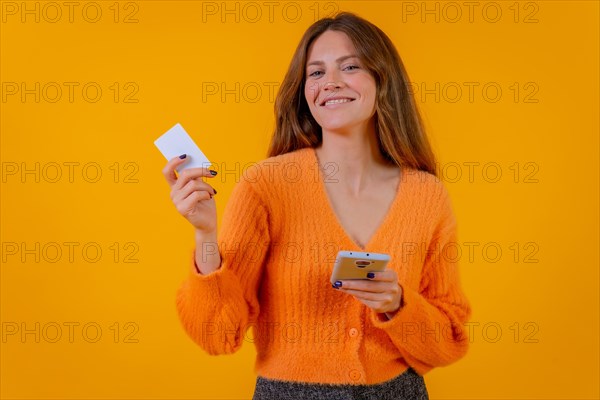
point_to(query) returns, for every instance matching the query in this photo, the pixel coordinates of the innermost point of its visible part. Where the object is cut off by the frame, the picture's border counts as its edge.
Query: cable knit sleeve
(429, 328)
(217, 309)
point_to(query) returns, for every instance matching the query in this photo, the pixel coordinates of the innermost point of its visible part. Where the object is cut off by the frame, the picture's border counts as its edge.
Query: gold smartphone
(356, 264)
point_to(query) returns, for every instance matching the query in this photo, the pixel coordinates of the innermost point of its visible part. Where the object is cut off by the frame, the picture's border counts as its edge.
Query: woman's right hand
(193, 197)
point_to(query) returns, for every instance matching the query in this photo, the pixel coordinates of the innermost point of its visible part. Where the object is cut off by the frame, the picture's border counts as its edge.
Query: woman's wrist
(207, 258)
(390, 314)
(201, 235)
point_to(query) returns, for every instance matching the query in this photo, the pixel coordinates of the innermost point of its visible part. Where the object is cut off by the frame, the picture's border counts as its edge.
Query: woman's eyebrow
(339, 60)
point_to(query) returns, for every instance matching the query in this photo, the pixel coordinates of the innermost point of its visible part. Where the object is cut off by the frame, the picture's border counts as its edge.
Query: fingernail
(338, 284)
(213, 173)
(370, 275)
(333, 286)
(215, 191)
(182, 156)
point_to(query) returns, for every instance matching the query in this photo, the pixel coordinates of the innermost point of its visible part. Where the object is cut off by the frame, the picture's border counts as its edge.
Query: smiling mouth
(336, 101)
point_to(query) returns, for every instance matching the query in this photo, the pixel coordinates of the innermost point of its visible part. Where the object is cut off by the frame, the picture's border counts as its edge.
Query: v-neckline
(331, 214)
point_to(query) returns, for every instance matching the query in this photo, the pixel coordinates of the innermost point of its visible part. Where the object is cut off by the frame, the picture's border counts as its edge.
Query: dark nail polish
(370, 275)
(215, 191)
(338, 284)
(333, 286)
(213, 173)
(183, 156)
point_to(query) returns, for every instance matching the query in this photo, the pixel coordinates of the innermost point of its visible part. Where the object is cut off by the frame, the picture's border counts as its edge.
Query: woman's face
(339, 91)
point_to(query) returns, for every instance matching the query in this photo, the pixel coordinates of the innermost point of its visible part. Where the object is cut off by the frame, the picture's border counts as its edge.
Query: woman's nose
(332, 80)
(331, 85)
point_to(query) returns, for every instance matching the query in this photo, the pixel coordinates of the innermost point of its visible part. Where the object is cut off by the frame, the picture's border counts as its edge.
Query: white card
(176, 142)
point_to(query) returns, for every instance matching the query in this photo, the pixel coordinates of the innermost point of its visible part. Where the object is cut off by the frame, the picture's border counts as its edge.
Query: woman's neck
(354, 157)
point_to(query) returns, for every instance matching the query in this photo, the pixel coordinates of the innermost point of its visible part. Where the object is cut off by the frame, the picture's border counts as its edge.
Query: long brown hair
(398, 123)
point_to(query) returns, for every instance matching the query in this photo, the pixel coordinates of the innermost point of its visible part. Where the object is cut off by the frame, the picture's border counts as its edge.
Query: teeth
(337, 101)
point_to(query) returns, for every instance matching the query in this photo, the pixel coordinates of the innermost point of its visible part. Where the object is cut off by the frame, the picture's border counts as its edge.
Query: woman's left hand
(382, 292)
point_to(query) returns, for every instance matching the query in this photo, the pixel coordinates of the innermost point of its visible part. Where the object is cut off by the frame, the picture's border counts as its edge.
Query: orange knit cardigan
(278, 240)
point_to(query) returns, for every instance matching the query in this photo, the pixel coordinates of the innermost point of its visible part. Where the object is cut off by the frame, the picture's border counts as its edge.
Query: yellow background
(547, 311)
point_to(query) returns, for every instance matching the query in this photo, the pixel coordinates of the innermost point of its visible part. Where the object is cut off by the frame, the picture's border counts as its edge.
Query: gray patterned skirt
(408, 385)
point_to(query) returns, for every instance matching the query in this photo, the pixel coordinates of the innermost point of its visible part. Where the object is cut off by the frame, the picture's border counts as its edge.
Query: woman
(349, 168)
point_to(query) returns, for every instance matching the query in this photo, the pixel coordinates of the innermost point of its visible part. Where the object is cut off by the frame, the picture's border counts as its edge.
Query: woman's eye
(351, 67)
(315, 73)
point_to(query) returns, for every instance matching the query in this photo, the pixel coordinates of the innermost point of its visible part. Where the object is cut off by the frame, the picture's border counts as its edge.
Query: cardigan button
(353, 332)
(355, 375)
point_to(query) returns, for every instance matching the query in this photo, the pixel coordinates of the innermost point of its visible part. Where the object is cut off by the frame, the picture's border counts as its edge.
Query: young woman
(349, 168)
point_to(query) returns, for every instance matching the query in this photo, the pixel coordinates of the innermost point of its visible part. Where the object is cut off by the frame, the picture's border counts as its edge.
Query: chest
(361, 217)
